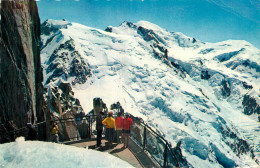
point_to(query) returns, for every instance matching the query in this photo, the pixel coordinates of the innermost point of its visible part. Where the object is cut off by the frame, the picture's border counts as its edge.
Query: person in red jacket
(119, 127)
(127, 123)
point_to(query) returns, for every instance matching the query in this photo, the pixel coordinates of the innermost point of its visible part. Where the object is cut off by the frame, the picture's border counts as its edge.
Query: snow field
(20, 154)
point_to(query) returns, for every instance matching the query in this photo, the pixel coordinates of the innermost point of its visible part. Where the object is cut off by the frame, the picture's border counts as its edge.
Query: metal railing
(10, 136)
(72, 129)
(153, 143)
(79, 128)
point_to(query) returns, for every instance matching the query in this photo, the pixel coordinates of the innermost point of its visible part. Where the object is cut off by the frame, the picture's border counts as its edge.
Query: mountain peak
(51, 25)
(142, 23)
(149, 25)
(61, 23)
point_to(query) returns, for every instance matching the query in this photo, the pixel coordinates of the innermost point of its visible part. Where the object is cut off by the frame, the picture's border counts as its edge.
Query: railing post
(89, 123)
(14, 135)
(90, 126)
(165, 155)
(144, 140)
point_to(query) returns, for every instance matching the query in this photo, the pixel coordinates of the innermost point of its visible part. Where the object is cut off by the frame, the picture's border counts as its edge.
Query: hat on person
(110, 113)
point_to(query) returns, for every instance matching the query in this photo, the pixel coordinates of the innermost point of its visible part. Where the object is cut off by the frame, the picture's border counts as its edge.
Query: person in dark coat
(32, 133)
(99, 128)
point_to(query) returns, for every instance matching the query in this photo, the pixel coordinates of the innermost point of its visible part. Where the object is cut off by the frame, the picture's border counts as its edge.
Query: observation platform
(147, 148)
(132, 155)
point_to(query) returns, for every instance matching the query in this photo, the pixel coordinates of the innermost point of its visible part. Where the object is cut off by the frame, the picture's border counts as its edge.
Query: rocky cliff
(21, 90)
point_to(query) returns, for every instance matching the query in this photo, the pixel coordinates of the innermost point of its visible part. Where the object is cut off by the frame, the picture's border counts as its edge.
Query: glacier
(206, 95)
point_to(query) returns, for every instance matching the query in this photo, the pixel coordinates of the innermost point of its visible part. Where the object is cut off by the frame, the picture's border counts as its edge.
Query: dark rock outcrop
(109, 29)
(47, 29)
(239, 145)
(225, 89)
(66, 62)
(206, 51)
(251, 65)
(205, 74)
(21, 90)
(67, 112)
(148, 35)
(62, 100)
(251, 106)
(247, 86)
(228, 56)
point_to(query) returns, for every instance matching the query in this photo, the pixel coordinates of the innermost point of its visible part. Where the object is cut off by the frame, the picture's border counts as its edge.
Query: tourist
(99, 127)
(54, 137)
(119, 127)
(127, 123)
(110, 126)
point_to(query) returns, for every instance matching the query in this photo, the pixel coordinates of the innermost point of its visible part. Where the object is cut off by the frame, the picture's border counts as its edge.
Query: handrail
(89, 118)
(172, 154)
(152, 130)
(17, 130)
(167, 146)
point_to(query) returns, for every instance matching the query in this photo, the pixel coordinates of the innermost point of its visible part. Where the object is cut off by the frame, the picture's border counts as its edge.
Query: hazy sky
(206, 20)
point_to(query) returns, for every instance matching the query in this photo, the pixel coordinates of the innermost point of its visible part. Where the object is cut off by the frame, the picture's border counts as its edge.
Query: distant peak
(51, 26)
(129, 24)
(57, 23)
(149, 25)
(109, 29)
(143, 24)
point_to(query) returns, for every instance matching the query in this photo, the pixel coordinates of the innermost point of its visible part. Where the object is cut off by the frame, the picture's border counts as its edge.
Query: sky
(205, 20)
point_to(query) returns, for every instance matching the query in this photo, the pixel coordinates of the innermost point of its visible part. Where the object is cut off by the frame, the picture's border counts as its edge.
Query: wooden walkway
(114, 149)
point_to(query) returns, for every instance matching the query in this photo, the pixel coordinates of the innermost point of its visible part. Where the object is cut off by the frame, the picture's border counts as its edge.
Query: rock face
(63, 105)
(62, 100)
(251, 106)
(64, 68)
(64, 60)
(21, 90)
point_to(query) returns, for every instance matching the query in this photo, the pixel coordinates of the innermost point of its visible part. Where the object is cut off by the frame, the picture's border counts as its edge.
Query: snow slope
(198, 95)
(32, 154)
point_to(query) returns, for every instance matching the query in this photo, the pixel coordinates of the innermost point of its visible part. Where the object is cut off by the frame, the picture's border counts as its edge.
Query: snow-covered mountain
(205, 94)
